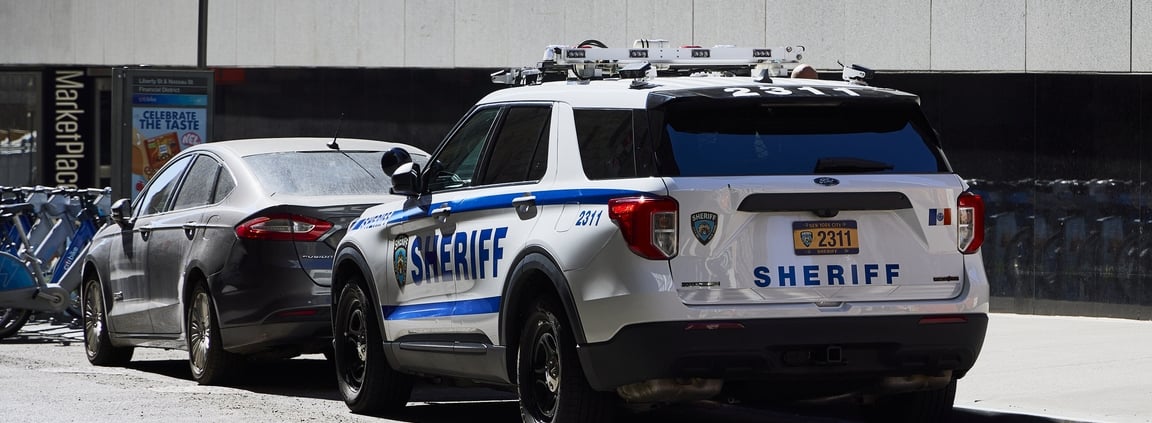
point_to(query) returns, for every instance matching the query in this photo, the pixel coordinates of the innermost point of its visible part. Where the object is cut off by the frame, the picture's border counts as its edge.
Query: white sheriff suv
(637, 226)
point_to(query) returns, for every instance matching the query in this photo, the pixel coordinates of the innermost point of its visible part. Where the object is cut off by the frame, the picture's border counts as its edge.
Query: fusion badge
(704, 226)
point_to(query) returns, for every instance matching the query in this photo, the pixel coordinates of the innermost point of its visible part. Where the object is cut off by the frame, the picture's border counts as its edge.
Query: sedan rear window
(322, 172)
(794, 140)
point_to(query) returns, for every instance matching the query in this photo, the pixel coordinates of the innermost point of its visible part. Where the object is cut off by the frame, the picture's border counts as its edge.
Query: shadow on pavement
(315, 378)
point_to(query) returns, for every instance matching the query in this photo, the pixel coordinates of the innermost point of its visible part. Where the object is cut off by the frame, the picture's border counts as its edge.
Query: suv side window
(606, 143)
(520, 148)
(155, 198)
(202, 178)
(455, 165)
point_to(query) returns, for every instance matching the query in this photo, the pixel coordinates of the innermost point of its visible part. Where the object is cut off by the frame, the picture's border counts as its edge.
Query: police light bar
(724, 56)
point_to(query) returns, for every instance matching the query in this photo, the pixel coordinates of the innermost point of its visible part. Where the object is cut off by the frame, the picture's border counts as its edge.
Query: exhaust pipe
(671, 390)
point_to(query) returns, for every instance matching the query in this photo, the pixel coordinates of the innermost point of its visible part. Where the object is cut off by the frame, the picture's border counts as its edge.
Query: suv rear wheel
(549, 376)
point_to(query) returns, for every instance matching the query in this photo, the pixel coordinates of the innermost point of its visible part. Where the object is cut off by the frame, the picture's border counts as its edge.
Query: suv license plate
(811, 238)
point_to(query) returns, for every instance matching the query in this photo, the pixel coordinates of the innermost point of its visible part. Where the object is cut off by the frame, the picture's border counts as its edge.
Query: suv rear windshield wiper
(849, 165)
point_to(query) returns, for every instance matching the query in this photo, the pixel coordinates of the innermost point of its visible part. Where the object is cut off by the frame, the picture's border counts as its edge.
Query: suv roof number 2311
(652, 225)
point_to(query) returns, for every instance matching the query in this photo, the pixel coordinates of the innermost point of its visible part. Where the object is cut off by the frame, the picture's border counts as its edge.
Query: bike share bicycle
(41, 275)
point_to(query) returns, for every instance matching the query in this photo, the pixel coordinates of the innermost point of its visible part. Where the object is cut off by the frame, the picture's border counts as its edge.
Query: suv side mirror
(406, 180)
(121, 210)
(393, 159)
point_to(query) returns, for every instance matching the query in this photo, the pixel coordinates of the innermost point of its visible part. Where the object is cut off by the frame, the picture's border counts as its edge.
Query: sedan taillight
(649, 225)
(283, 227)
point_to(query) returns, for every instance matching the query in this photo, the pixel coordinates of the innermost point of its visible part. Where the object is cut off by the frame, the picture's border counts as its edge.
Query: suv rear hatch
(808, 199)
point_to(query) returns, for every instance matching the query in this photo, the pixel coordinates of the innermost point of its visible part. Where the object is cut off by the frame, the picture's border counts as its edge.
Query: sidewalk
(1076, 368)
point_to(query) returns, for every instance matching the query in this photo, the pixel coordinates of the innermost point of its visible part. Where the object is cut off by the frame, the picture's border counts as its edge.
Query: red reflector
(298, 313)
(714, 326)
(943, 320)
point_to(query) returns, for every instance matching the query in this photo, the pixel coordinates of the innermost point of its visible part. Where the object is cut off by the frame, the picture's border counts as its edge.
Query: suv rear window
(775, 139)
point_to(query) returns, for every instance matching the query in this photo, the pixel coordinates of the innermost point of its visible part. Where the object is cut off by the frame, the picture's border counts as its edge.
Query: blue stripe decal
(472, 204)
(443, 309)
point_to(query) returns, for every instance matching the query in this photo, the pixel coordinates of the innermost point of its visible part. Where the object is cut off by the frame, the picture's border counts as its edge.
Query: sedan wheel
(97, 344)
(211, 365)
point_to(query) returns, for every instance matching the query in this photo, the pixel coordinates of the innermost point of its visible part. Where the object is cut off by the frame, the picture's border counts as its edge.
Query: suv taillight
(649, 225)
(969, 222)
(283, 227)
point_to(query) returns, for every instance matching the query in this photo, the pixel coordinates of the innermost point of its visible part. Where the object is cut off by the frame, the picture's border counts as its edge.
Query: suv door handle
(441, 213)
(523, 203)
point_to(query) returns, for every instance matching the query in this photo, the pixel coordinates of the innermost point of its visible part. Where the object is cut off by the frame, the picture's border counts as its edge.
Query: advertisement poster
(164, 112)
(160, 133)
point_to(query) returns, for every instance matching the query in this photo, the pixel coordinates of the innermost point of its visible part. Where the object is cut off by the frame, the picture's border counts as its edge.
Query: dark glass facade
(1062, 160)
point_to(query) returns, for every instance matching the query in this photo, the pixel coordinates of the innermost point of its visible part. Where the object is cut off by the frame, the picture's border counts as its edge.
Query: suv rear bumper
(797, 350)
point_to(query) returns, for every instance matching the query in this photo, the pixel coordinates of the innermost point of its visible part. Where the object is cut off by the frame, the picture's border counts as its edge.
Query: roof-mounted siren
(648, 58)
(856, 74)
(517, 76)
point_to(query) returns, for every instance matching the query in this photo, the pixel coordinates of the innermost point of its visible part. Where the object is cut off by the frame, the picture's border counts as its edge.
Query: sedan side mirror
(121, 212)
(406, 180)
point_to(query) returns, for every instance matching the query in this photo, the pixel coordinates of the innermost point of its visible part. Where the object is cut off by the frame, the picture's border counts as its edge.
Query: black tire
(920, 406)
(210, 363)
(367, 383)
(12, 319)
(549, 377)
(97, 343)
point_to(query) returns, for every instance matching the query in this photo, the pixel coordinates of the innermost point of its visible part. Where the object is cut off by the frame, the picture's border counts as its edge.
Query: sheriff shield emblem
(400, 259)
(806, 238)
(704, 226)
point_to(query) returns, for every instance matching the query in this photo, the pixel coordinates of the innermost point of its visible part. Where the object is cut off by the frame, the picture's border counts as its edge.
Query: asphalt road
(1033, 369)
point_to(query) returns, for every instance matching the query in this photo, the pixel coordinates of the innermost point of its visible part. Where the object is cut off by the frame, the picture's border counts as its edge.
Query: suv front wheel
(367, 383)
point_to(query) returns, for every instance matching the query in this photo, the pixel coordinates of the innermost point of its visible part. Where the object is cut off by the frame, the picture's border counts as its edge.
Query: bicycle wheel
(11, 320)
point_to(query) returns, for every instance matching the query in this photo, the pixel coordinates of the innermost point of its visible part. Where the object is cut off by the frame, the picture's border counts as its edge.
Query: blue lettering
(485, 234)
(892, 271)
(811, 275)
(472, 245)
(763, 279)
(430, 266)
(871, 271)
(855, 275)
(460, 255)
(497, 251)
(835, 274)
(788, 276)
(417, 262)
(445, 257)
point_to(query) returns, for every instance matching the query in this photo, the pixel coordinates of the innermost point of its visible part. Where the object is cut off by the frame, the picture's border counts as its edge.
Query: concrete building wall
(906, 35)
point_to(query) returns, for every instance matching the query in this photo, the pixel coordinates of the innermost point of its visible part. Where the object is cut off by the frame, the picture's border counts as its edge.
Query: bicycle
(43, 275)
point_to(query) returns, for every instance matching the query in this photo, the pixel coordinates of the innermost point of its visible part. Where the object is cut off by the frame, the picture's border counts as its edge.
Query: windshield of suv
(766, 139)
(322, 172)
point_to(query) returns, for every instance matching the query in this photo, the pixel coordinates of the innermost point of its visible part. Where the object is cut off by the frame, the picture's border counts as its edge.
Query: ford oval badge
(826, 181)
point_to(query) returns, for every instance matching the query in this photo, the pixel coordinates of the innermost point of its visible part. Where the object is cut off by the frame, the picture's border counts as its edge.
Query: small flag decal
(939, 217)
